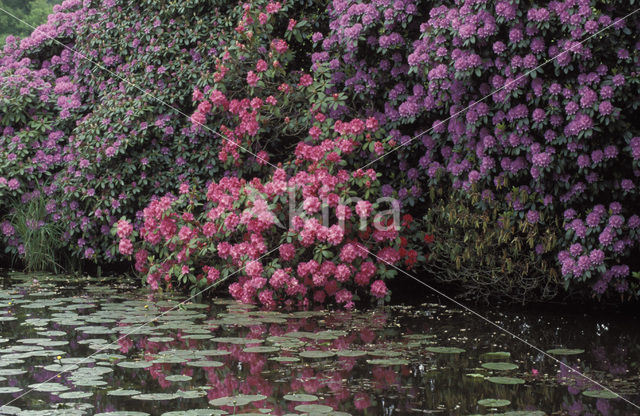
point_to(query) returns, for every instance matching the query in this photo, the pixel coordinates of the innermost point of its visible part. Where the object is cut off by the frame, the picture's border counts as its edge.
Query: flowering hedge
(531, 108)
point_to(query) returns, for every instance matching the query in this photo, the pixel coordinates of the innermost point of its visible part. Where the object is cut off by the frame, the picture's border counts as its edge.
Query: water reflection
(231, 358)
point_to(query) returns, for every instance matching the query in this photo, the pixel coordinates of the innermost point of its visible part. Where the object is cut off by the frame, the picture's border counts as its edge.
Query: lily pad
(191, 394)
(600, 394)
(496, 355)
(77, 360)
(48, 387)
(261, 349)
(300, 397)
(75, 395)
(499, 366)
(285, 359)
(494, 402)
(445, 350)
(565, 351)
(351, 353)
(205, 363)
(10, 390)
(10, 410)
(239, 400)
(178, 377)
(121, 392)
(388, 361)
(122, 413)
(155, 396)
(213, 353)
(196, 412)
(161, 339)
(505, 380)
(134, 364)
(197, 336)
(314, 408)
(236, 340)
(384, 353)
(316, 354)
(89, 382)
(11, 371)
(57, 368)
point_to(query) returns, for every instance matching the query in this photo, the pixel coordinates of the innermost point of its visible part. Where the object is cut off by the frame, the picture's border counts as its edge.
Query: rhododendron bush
(191, 128)
(280, 253)
(554, 145)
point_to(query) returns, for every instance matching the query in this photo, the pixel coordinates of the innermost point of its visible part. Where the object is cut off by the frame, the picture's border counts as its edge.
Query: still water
(81, 347)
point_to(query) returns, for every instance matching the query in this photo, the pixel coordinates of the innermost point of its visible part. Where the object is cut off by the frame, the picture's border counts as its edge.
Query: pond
(81, 347)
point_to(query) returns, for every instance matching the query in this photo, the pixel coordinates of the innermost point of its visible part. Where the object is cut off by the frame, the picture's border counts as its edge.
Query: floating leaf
(496, 355)
(10, 410)
(178, 377)
(236, 340)
(499, 366)
(11, 371)
(350, 353)
(197, 336)
(565, 351)
(261, 349)
(314, 408)
(161, 339)
(494, 402)
(88, 382)
(300, 397)
(285, 359)
(384, 353)
(316, 354)
(155, 396)
(121, 392)
(506, 380)
(600, 394)
(9, 390)
(212, 353)
(196, 412)
(445, 350)
(48, 387)
(388, 361)
(205, 363)
(57, 368)
(239, 400)
(134, 364)
(191, 394)
(75, 395)
(419, 336)
(122, 413)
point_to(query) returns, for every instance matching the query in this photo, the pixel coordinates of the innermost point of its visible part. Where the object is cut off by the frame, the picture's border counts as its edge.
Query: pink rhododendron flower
(378, 289)
(124, 228)
(305, 80)
(252, 78)
(126, 247)
(363, 209)
(261, 65)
